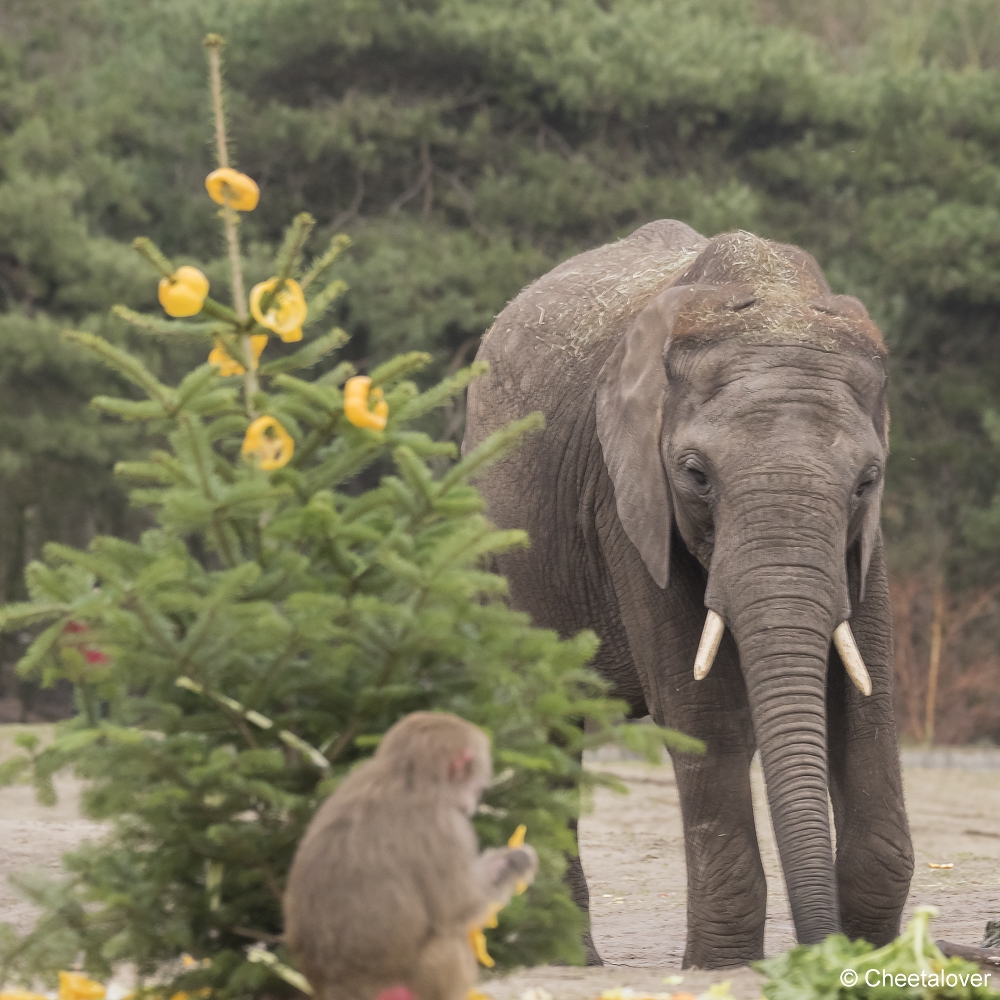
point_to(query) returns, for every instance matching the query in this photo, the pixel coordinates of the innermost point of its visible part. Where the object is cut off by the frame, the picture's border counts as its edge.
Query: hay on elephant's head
(594, 297)
(779, 295)
(596, 294)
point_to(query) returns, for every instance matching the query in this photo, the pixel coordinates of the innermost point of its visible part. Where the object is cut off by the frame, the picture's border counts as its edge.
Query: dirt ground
(633, 853)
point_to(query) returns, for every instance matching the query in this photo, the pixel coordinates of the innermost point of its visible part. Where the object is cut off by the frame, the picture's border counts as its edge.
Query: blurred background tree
(468, 146)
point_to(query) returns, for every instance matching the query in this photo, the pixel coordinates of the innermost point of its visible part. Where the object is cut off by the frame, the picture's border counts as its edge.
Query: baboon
(388, 880)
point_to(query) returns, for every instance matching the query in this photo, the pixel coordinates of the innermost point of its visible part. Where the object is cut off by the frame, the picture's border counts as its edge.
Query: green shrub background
(467, 147)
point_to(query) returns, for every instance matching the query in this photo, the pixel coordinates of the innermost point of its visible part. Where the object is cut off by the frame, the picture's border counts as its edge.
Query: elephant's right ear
(631, 392)
(631, 389)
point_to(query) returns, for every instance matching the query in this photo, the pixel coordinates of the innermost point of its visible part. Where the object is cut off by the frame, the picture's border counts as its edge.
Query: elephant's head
(745, 408)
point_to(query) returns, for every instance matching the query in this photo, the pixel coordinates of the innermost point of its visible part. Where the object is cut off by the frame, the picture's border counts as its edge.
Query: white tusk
(843, 639)
(711, 636)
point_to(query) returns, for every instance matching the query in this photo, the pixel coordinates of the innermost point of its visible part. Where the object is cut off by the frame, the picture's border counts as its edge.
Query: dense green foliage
(467, 146)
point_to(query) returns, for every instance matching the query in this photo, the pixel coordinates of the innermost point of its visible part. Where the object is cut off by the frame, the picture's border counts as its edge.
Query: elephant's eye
(866, 484)
(696, 475)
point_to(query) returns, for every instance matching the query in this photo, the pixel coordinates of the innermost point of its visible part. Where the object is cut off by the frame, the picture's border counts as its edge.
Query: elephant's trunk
(786, 683)
(782, 602)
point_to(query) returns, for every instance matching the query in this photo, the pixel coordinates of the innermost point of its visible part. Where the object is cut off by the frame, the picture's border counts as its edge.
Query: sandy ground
(633, 852)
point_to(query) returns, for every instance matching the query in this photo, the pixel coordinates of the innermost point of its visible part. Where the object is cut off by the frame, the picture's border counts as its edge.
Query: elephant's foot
(577, 883)
(715, 946)
(590, 949)
(874, 869)
(725, 958)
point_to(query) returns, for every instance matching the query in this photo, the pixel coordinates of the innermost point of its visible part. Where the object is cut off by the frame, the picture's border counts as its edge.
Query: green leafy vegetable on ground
(910, 968)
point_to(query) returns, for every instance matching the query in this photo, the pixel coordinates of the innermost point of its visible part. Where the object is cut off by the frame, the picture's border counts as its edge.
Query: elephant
(706, 497)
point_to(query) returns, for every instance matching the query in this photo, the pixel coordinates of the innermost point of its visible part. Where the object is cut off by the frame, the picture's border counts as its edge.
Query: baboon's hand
(523, 863)
(504, 867)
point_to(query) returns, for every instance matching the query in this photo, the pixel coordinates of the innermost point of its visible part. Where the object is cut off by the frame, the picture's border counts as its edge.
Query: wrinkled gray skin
(716, 437)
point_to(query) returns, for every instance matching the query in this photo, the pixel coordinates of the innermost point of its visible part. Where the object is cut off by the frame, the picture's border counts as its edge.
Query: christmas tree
(234, 662)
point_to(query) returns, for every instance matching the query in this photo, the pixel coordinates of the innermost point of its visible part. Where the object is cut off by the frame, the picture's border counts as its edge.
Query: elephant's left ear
(631, 392)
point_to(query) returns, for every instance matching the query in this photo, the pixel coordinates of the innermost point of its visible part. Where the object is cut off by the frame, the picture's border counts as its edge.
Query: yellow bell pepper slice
(226, 184)
(287, 311)
(357, 393)
(477, 939)
(272, 451)
(183, 294)
(221, 358)
(517, 840)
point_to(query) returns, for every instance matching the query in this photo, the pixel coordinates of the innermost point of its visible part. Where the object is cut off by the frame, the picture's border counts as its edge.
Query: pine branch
(290, 255)
(319, 305)
(230, 219)
(127, 409)
(337, 246)
(396, 368)
(442, 393)
(147, 249)
(126, 364)
(155, 324)
(307, 356)
(498, 444)
(26, 614)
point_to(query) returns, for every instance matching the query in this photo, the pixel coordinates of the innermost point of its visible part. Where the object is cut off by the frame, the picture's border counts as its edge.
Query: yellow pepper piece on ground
(476, 995)
(720, 990)
(74, 986)
(627, 993)
(356, 398)
(273, 450)
(240, 190)
(184, 293)
(222, 359)
(287, 311)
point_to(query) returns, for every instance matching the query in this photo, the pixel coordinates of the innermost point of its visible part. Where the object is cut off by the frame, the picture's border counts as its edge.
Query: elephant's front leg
(874, 852)
(726, 888)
